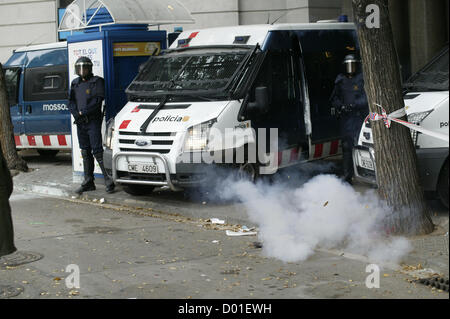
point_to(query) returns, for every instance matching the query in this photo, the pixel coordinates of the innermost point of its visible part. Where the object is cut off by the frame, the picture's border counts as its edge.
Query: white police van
(233, 82)
(426, 103)
(37, 84)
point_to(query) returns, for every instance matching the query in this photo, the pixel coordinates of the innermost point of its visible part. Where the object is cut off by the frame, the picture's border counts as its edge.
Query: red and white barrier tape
(394, 116)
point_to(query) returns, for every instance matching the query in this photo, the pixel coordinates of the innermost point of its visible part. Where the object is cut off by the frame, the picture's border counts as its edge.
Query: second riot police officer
(85, 103)
(350, 102)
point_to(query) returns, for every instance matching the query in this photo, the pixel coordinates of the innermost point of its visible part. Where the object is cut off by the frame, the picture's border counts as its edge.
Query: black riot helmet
(83, 67)
(350, 64)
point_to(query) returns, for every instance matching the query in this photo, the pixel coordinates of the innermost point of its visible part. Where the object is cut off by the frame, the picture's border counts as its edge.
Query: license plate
(143, 168)
(365, 162)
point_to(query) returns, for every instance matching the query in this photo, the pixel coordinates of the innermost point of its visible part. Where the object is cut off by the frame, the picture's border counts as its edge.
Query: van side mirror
(261, 104)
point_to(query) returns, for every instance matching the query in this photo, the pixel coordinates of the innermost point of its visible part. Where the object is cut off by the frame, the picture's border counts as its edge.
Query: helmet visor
(83, 68)
(350, 67)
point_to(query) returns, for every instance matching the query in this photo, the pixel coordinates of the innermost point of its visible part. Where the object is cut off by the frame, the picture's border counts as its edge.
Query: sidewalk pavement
(53, 177)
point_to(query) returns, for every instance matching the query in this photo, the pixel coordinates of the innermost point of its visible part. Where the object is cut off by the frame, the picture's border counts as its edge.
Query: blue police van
(37, 84)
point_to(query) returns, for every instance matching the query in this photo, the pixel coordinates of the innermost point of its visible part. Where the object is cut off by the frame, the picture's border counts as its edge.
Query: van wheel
(442, 187)
(48, 153)
(138, 190)
(248, 171)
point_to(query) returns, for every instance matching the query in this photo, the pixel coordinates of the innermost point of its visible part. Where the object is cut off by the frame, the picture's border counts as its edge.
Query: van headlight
(197, 136)
(417, 118)
(109, 133)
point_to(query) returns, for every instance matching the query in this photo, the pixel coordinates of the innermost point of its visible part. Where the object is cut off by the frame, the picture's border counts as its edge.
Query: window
(12, 77)
(52, 82)
(46, 83)
(432, 77)
(188, 72)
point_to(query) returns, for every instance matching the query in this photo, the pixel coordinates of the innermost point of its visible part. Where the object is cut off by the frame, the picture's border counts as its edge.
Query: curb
(44, 190)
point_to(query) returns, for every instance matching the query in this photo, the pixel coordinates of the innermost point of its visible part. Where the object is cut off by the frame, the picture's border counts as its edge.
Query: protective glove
(82, 119)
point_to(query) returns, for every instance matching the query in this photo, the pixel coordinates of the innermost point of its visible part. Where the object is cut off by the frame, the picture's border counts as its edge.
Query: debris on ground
(243, 231)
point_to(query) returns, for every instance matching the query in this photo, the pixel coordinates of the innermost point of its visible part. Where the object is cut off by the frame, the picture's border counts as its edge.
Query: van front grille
(146, 143)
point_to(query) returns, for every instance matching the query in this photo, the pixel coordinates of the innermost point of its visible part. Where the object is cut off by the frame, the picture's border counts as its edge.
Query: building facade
(420, 26)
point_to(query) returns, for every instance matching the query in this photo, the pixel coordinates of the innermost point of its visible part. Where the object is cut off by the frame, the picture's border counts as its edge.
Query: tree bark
(8, 145)
(395, 155)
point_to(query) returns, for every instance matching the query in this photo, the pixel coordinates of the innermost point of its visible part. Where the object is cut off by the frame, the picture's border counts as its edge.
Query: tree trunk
(8, 145)
(395, 155)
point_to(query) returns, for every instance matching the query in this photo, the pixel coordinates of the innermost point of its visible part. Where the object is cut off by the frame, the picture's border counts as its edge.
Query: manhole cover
(8, 291)
(19, 258)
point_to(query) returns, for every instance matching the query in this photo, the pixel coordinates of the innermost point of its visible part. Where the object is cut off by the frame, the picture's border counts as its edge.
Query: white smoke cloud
(322, 213)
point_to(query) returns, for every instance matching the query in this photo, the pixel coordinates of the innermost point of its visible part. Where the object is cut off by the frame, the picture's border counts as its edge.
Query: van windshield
(201, 72)
(12, 84)
(432, 77)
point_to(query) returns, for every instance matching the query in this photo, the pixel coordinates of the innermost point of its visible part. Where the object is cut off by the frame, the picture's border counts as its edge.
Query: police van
(37, 84)
(426, 103)
(235, 81)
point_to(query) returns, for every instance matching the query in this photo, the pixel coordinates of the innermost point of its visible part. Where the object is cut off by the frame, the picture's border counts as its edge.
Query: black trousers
(90, 136)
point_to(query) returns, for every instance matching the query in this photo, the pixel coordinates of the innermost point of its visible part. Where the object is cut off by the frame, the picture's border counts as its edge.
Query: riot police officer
(85, 103)
(350, 102)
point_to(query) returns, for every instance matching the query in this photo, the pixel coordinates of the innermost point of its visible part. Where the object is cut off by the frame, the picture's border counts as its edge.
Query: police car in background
(37, 84)
(426, 104)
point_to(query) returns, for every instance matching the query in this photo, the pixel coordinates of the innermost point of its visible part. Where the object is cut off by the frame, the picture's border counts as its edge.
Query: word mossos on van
(55, 107)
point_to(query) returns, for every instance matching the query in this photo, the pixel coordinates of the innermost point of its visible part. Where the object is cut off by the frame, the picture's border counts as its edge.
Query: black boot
(108, 180)
(88, 168)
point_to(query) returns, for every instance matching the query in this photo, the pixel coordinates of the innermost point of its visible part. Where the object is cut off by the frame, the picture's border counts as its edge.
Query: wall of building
(420, 27)
(24, 22)
(217, 13)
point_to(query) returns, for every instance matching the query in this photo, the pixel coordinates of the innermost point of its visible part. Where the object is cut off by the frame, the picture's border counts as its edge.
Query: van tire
(48, 153)
(442, 186)
(138, 190)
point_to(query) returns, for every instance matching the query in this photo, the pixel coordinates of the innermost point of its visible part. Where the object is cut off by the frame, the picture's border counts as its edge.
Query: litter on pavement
(243, 231)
